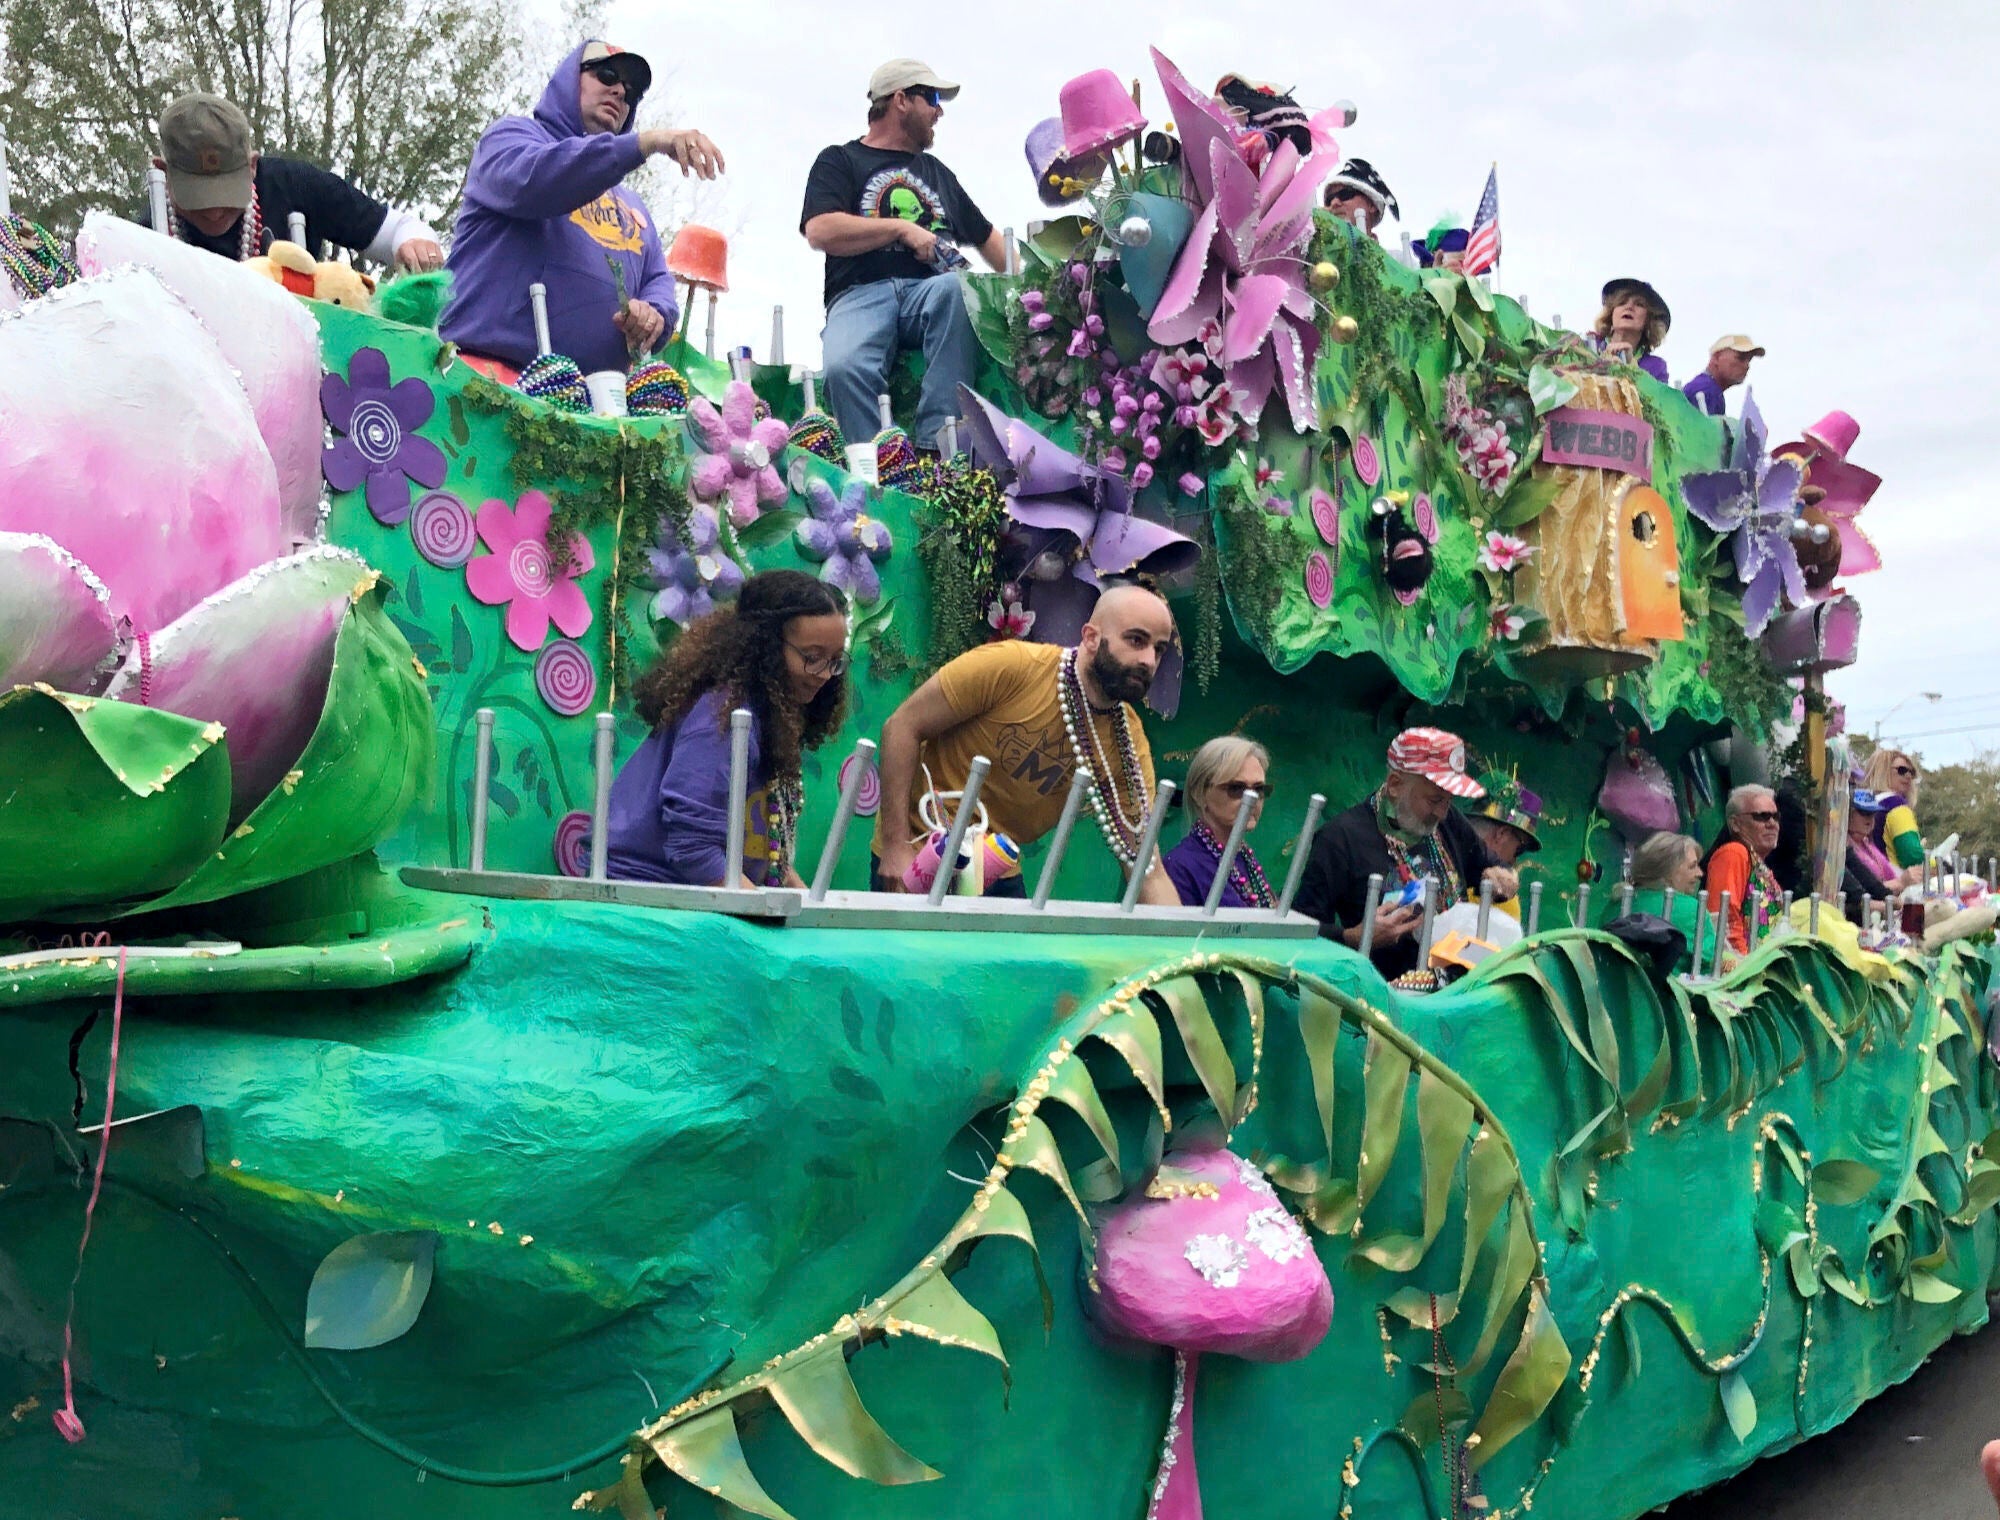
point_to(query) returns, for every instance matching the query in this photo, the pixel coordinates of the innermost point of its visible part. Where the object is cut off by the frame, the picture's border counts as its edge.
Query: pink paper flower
(1009, 620)
(1503, 553)
(1506, 623)
(520, 572)
(738, 468)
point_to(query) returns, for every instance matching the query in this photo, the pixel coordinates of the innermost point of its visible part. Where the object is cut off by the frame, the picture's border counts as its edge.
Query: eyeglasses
(820, 664)
(1341, 193)
(1904, 770)
(606, 74)
(1762, 817)
(1234, 790)
(926, 94)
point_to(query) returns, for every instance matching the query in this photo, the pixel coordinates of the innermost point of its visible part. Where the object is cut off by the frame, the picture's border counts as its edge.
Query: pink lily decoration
(1503, 553)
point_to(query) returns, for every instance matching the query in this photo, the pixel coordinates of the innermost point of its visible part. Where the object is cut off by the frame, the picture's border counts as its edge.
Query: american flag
(1482, 249)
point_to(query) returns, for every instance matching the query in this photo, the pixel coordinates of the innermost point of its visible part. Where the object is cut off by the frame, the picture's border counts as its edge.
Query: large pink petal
(1202, 120)
(1276, 175)
(55, 618)
(1858, 555)
(531, 517)
(582, 558)
(1204, 308)
(773, 434)
(708, 426)
(528, 622)
(743, 500)
(1190, 272)
(770, 485)
(497, 528)
(1235, 205)
(569, 607)
(1254, 301)
(709, 476)
(1253, 380)
(488, 578)
(1294, 374)
(739, 409)
(1287, 220)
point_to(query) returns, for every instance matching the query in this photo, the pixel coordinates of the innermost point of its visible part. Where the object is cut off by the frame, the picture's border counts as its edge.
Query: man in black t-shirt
(890, 219)
(226, 198)
(1406, 831)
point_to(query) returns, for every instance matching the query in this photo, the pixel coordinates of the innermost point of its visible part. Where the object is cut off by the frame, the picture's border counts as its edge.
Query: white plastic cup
(607, 392)
(862, 463)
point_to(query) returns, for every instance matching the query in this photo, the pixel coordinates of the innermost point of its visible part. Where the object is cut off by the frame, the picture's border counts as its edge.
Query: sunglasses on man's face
(1234, 790)
(1340, 194)
(1762, 817)
(926, 94)
(606, 74)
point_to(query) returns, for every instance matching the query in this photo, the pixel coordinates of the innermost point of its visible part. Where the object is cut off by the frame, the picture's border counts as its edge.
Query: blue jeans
(865, 328)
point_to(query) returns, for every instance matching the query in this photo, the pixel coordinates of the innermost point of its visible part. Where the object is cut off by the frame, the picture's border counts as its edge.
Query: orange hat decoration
(700, 256)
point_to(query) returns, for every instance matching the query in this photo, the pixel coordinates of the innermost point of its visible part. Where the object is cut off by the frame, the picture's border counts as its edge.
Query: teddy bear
(338, 284)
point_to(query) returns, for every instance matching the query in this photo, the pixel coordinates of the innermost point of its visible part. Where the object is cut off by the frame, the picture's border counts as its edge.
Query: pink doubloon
(1219, 1265)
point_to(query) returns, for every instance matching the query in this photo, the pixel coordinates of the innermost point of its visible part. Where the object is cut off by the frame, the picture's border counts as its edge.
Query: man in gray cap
(226, 197)
(890, 219)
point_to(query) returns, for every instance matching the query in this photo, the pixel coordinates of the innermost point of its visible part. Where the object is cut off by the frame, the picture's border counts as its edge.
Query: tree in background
(391, 94)
(1964, 799)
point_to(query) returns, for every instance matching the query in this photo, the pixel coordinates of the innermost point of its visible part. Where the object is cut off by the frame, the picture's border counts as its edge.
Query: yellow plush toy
(338, 284)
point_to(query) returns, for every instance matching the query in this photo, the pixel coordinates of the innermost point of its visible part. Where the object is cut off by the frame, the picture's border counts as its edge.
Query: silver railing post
(883, 414)
(1485, 910)
(1300, 850)
(968, 800)
(778, 335)
(538, 303)
(1012, 257)
(6, 192)
(859, 765)
(710, 346)
(1812, 915)
(1784, 913)
(156, 198)
(600, 800)
(1079, 783)
(482, 782)
(1369, 908)
(1429, 925)
(1582, 920)
(812, 391)
(1236, 831)
(739, 796)
(1625, 900)
(1722, 931)
(1700, 927)
(295, 228)
(1148, 842)
(1533, 924)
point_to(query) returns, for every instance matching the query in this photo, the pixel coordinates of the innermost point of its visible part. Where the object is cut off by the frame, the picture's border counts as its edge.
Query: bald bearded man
(1036, 711)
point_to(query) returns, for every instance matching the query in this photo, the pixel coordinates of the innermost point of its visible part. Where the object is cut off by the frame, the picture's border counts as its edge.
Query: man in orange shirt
(1035, 711)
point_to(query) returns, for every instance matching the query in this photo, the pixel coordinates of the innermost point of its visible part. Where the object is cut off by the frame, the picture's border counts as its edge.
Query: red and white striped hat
(1436, 756)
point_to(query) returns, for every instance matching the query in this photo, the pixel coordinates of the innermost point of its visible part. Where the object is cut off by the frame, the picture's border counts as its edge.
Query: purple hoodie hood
(543, 203)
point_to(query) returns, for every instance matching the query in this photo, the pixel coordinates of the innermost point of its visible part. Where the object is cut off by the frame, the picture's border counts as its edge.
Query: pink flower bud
(1184, 416)
(1127, 404)
(1041, 321)
(1142, 476)
(1150, 448)
(1115, 461)
(1119, 425)
(1192, 484)
(1092, 396)
(1094, 326)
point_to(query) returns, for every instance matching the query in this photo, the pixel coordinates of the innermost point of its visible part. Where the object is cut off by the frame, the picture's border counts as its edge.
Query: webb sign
(1599, 441)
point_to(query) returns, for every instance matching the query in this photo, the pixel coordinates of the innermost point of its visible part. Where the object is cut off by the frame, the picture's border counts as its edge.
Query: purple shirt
(543, 203)
(1191, 868)
(669, 815)
(1705, 391)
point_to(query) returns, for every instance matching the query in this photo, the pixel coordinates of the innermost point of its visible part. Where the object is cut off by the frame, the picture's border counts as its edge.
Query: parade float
(361, 1154)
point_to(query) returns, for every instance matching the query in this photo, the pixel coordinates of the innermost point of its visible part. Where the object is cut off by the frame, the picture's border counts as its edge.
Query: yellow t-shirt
(1005, 698)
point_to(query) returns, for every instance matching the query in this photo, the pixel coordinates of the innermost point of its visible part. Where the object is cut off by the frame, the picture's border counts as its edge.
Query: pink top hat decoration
(1847, 487)
(1098, 114)
(1206, 1259)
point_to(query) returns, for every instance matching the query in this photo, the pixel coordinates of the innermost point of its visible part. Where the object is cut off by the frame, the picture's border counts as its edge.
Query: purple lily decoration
(379, 422)
(843, 539)
(691, 572)
(1076, 529)
(1243, 266)
(1754, 502)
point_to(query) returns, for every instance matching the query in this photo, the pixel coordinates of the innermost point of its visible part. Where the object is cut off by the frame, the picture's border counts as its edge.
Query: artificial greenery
(1205, 661)
(629, 478)
(1753, 694)
(958, 537)
(1262, 560)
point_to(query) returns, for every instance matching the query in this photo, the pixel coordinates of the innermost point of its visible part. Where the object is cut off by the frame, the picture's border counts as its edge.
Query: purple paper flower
(846, 542)
(691, 573)
(379, 421)
(1754, 503)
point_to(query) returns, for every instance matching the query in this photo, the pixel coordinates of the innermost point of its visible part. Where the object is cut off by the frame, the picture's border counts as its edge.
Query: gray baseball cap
(206, 144)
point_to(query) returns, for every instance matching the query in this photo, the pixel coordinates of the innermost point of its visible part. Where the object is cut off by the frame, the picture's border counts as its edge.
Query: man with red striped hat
(1405, 832)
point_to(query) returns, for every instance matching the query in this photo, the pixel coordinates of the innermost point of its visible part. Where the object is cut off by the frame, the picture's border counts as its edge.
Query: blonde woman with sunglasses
(1894, 776)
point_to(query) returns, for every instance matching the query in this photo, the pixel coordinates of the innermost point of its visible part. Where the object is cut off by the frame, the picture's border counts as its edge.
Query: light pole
(1928, 696)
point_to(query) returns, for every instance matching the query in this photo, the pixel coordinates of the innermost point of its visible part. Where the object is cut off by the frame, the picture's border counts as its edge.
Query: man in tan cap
(1728, 365)
(890, 219)
(226, 197)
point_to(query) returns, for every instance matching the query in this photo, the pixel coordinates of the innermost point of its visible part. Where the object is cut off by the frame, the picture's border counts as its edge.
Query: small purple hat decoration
(1098, 114)
(1055, 171)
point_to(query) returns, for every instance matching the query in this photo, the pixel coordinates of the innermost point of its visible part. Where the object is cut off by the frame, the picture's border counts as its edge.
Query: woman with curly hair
(781, 651)
(1631, 325)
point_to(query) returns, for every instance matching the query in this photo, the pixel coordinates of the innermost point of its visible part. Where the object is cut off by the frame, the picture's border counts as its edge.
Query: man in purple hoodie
(543, 204)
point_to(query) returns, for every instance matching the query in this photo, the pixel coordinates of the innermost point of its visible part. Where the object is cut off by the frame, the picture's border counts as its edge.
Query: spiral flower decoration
(565, 677)
(441, 527)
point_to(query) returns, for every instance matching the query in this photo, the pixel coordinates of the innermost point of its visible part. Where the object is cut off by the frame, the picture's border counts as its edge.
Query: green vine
(1206, 661)
(618, 477)
(1754, 694)
(1261, 560)
(958, 534)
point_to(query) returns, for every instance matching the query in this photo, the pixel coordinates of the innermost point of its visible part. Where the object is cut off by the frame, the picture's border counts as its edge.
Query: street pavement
(1912, 1454)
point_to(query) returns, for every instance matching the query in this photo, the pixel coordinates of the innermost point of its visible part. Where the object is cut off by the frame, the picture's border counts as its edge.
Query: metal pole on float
(968, 800)
(1148, 842)
(858, 766)
(156, 199)
(600, 800)
(1368, 911)
(1079, 785)
(482, 783)
(739, 796)
(778, 335)
(1533, 924)
(1300, 849)
(1236, 831)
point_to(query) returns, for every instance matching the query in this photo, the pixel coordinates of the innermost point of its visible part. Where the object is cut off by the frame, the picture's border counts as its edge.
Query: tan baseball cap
(908, 74)
(1737, 343)
(205, 142)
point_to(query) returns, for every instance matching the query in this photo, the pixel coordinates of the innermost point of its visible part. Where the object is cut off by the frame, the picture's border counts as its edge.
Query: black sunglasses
(1904, 770)
(926, 94)
(1339, 193)
(607, 74)
(1234, 790)
(1762, 817)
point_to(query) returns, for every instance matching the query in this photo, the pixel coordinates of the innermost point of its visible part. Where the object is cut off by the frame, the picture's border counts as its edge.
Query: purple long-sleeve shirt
(669, 815)
(543, 204)
(1191, 868)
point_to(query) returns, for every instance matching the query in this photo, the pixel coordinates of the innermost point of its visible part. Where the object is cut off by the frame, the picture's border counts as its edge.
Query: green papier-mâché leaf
(1443, 1117)
(1003, 1215)
(1134, 1032)
(1385, 1083)
(937, 1311)
(170, 1143)
(1739, 1404)
(1210, 1058)
(1511, 1274)
(367, 761)
(1982, 1191)
(1805, 1273)
(1527, 499)
(1843, 1182)
(1071, 1086)
(1035, 1148)
(1548, 390)
(706, 1452)
(369, 1289)
(628, 1495)
(1319, 1030)
(1420, 1419)
(1490, 1173)
(106, 801)
(819, 1397)
(1928, 1288)
(1526, 1383)
(768, 528)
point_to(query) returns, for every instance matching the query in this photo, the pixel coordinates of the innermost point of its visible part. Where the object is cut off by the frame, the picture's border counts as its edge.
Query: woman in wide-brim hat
(1632, 325)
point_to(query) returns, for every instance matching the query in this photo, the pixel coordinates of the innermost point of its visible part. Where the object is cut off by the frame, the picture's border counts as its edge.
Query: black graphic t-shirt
(865, 181)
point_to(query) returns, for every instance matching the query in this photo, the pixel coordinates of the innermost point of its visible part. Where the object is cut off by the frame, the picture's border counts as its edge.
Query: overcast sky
(1820, 176)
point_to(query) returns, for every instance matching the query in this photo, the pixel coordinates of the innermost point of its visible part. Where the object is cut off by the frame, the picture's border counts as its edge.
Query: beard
(1117, 680)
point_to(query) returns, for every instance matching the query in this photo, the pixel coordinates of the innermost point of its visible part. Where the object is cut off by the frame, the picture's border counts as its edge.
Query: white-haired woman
(1736, 865)
(1669, 861)
(1222, 772)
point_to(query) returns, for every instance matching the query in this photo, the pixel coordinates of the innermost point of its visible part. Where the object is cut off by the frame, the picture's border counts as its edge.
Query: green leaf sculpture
(370, 1289)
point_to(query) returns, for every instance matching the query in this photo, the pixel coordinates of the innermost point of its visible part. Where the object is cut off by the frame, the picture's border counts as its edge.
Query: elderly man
(1405, 832)
(1359, 196)
(1728, 366)
(226, 198)
(1737, 865)
(543, 205)
(1036, 711)
(890, 219)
